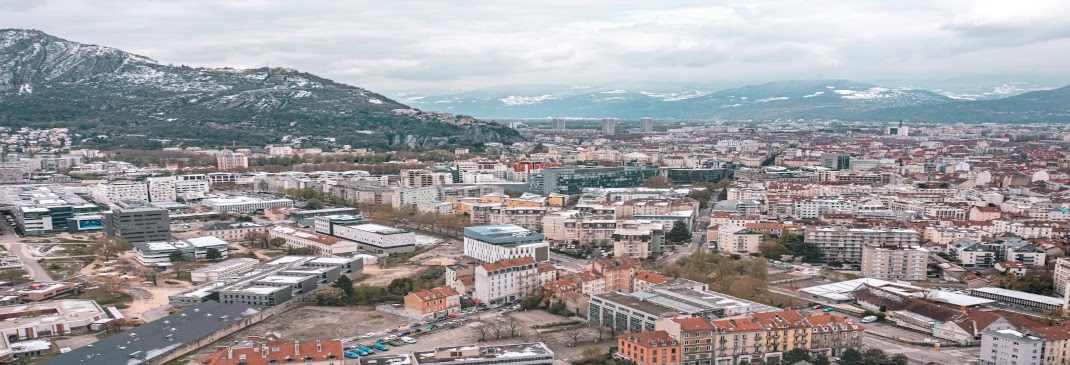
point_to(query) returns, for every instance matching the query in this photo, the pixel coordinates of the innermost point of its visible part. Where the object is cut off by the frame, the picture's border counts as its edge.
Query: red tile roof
(270, 347)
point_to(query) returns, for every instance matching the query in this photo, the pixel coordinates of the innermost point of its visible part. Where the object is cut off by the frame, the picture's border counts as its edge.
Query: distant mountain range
(825, 99)
(139, 103)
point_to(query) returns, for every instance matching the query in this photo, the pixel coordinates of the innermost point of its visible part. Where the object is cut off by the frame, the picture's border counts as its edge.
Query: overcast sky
(396, 45)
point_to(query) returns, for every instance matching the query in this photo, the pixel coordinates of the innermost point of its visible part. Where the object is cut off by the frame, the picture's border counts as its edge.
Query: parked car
(408, 340)
(868, 319)
(381, 347)
(351, 354)
(367, 335)
(829, 310)
(390, 338)
(391, 330)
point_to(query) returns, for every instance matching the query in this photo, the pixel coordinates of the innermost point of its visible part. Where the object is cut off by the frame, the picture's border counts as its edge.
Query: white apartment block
(245, 205)
(738, 240)
(1024, 229)
(815, 207)
(111, 193)
(1011, 347)
(408, 197)
(232, 161)
(845, 245)
(894, 263)
(162, 189)
(506, 280)
(506, 241)
(1062, 274)
(422, 178)
(527, 217)
(945, 235)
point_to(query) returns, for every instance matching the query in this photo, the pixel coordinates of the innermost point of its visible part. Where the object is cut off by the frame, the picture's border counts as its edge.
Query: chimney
(297, 347)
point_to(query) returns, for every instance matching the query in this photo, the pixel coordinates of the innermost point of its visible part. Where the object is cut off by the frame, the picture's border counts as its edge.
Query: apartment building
(738, 240)
(895, 262)
(845, 245)
(506, 280)
(498, 242)
(831, 335)
(421, 178)
(527, 217)
(649, 348)
(1011, 346)
(433, 303)
(695, 335)
(638, 239)
(231, 161)
(618, 272)
(1062, 274)
(272, 349)
(737, 340)
(408, 197)
(813, 208)
(783, 331)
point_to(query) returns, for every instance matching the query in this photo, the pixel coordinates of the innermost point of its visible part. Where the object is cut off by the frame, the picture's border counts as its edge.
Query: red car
(452, 316)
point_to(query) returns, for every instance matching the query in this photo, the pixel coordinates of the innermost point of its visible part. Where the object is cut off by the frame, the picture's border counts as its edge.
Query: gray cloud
(428, 45)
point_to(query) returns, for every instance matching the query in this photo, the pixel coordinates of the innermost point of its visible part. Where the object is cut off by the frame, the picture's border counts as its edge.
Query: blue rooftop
(503, 234)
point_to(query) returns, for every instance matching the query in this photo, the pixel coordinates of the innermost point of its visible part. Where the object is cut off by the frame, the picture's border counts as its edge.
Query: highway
(13, 244)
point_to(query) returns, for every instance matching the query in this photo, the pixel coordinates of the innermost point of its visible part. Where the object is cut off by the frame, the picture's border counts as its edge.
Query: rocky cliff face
(101, 90)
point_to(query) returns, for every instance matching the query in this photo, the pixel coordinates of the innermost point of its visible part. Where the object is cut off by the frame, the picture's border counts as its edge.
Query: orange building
(649, 348)
(435, 302)
(618, 272)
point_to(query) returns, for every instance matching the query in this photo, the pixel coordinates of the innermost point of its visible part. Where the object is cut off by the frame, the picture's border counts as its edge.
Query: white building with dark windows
(504, 241)
(506, 280)
(245, 205)
(375, 238)
(1010, 346)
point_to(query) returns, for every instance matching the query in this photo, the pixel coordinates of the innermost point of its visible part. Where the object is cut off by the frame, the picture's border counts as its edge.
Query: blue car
(352, 354)
(367, 351)
(829, 310)
(381, 347)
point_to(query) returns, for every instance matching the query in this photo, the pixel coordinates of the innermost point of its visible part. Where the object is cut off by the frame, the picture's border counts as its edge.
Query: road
(924, 355)
(567, 263)
(13, 245)
(698, 237)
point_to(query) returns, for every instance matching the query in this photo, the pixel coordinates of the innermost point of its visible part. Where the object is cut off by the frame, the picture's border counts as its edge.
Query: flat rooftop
(225, 265)
(48, 313)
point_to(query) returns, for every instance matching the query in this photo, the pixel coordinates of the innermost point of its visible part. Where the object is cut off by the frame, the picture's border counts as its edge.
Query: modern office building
(377, 239)
(319, 244)
(895, 262)
(845, 244)
(49, 209)
(272, 283)
(225, 269)
(557, 124)
(306, 218)
(836, 161)
(245, 205)
(691, 176)
(232, 232)
(504, 241)
(572, 180)
(137, 221)
(636, 312)
(107, 193)
(158, 254)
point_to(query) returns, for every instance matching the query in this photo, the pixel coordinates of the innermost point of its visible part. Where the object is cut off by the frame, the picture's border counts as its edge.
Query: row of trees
(342, 292)
(792, 244)
(747, 279)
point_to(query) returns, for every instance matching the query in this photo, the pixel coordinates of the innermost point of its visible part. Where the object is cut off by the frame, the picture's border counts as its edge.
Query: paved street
(923, 355)
(13, 245)
(567, 263)
(698, 239)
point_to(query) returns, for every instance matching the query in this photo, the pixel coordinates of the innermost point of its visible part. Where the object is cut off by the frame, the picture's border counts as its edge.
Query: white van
(407, 339)
(868, 319)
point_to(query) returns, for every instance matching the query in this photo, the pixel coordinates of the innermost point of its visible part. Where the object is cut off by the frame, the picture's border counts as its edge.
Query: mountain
(826, 99)
(136, 102)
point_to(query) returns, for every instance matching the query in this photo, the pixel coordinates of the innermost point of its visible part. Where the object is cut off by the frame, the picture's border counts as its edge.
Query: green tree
(540, 148)
(367, 294)
(821, 359)
(176, 256)
(851, 357)
(875, 357)
(899, 359)
(213, 254)
(530, 301)
(313, 204)
(680, 233)
(345, 285)
(331, 297)
(796, 355)
(723, 195)
(277, 242)
(557, 307)
(657, 182)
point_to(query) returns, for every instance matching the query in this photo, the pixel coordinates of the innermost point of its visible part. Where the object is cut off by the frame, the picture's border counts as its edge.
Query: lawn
(62, 270)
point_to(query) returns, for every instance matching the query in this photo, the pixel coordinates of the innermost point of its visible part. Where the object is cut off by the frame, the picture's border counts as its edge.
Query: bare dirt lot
(310, 323)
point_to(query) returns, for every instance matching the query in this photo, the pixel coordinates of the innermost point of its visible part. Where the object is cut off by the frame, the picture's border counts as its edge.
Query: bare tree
(574, 335)
(109, 247)
(482, 328)
(603, 331)
(149, 274)
(497, 326)
(181, 266)
(109, 286)
(512, 325)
